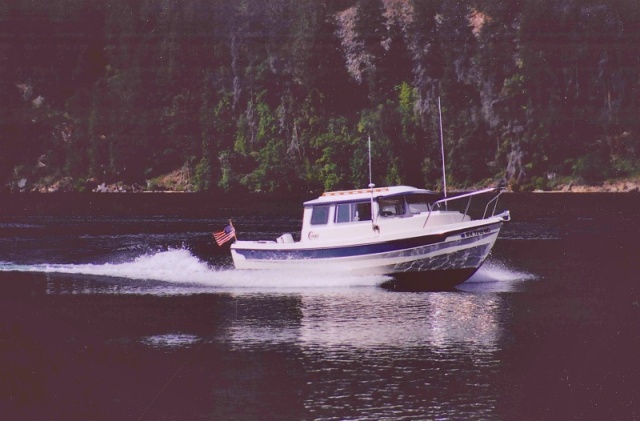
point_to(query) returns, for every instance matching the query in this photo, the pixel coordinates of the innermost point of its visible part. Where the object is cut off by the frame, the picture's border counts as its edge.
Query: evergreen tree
(282, 94)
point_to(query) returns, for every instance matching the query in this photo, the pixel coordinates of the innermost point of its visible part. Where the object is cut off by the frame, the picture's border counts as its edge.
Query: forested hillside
(281, 95)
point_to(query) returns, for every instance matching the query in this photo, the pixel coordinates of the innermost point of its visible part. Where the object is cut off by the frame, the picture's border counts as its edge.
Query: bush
(592, 168)
(203, 175)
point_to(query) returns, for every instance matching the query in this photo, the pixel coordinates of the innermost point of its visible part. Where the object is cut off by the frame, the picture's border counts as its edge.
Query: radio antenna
(371, 186)
(444, 170)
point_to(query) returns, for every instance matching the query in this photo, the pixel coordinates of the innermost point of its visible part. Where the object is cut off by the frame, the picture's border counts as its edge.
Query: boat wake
(495, 276)
(179, 267)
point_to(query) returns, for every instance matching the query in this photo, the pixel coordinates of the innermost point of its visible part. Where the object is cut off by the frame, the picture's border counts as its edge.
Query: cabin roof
(363, 194)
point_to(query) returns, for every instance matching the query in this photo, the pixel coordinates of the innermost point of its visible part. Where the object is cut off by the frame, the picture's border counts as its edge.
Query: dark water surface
(126, 309)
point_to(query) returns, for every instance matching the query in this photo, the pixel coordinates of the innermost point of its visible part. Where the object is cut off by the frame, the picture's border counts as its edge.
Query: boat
(410, 234)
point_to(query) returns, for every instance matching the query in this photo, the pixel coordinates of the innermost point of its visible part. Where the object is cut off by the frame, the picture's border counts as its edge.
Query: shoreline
(579, 188)
(621, 185)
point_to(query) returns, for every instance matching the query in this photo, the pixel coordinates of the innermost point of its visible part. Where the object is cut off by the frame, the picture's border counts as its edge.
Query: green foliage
(331, 166)
(203, 175)
(592, 168)
(281, 95)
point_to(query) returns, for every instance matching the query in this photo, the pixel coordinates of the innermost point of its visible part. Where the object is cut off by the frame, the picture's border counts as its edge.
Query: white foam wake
(495, 276)
(181, 267)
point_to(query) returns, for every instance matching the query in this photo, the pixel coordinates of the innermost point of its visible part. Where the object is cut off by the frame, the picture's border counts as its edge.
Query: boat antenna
(371, 186)
(444, 170)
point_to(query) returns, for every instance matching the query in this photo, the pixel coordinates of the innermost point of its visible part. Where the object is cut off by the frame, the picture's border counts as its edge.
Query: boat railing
(491, 204)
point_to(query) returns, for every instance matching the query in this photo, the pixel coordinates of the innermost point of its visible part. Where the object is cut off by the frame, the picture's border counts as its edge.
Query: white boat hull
(430, 257)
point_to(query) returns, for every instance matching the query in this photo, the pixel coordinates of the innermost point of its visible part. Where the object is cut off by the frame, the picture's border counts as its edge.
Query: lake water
(124, 308)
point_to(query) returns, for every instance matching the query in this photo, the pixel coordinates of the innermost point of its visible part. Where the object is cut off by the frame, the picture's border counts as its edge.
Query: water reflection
(371, 354)
(80, 284)
(170, 340)
(362, 318)
(361, 352)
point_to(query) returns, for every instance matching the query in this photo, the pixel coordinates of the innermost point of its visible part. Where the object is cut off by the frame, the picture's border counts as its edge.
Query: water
(134, 313)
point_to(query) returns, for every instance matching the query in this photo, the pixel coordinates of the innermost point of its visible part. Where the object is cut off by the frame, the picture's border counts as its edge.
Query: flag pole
(234, 230)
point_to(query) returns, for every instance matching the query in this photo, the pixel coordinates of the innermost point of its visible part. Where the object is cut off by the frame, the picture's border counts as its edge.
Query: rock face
(176, 181)
(117, 188)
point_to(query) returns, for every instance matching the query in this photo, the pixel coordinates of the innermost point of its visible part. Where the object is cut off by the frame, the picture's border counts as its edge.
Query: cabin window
(392, 206)
(418, 203)
(343, 212)
(362, 211)
(320, 215)
(353, 212)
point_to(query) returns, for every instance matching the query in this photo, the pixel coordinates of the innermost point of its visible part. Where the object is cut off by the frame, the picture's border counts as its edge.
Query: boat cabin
(344, 214)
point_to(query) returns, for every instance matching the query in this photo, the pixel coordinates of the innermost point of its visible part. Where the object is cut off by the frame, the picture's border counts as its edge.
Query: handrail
(462, 196)
(495, 205)
(494, 200)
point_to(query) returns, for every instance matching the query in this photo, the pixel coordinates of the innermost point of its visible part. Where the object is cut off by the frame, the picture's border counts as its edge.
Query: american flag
(225, 235)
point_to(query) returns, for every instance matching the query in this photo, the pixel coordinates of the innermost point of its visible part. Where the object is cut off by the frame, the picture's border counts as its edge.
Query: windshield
(418, 203)
(392, 206)
(409, 204)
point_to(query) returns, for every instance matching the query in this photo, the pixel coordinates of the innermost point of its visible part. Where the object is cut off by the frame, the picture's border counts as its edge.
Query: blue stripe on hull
(408, 245)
